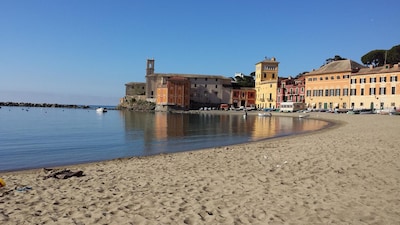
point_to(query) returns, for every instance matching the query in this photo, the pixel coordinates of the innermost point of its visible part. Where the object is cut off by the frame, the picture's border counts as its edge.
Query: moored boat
(101, 110)
(264, 114)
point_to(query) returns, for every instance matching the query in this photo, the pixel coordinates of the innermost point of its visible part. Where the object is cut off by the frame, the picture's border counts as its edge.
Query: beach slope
(346, 174)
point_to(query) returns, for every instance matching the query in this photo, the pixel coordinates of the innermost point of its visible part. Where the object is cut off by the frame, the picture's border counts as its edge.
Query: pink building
(291, 90)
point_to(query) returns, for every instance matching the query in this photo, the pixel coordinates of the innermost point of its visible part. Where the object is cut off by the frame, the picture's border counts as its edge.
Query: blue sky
(85, 51)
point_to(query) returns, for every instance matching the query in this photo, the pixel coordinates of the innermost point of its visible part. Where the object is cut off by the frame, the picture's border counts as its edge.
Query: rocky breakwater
(48, 105)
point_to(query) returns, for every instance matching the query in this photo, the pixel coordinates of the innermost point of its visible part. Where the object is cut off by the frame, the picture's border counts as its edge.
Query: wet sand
(346, 174)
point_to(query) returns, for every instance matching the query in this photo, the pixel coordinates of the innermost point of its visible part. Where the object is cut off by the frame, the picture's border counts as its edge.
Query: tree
(245, 81)
(374, 57)
(381, 56)
(335, 58)
(393, 55)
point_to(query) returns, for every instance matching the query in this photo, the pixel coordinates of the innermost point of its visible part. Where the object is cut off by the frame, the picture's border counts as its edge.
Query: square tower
(266, 83)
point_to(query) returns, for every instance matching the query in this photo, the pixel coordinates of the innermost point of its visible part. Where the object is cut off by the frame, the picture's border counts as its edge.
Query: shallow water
(45, 137)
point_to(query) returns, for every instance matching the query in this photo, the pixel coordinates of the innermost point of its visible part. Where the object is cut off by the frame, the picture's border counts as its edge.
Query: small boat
(304, 115)
(264, 114)
(101, 110)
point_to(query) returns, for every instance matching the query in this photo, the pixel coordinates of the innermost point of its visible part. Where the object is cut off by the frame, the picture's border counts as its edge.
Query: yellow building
(329, 86)
(375, 88)
(266, 83)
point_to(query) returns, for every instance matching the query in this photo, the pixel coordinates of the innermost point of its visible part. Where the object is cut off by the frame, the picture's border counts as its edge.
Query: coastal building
(266, 82)
(291, 90)
(205, 90)
(133, 91)
(243, 97)
(135, 88)
(175, 93)
(346, 84)
(329, 86)
(375, 88)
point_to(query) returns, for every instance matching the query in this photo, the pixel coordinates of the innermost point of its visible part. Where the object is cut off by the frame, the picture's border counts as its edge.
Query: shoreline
(213, 112)
(345, 174)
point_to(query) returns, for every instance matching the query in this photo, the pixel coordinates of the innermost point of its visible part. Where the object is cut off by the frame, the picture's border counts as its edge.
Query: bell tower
(150, 66)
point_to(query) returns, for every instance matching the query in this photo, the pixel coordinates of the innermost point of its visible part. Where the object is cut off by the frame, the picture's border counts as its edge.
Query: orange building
(375, 88)
(329, 86)
(174, 94)
(345, 84)
(245, 97)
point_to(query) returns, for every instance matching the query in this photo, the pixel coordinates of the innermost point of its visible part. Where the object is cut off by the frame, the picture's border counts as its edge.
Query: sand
(346, 174)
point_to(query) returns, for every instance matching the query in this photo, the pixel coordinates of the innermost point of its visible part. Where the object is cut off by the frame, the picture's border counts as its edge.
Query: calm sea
(46, 137)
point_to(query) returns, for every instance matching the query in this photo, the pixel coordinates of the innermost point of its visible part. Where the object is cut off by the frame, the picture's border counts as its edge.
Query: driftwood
(62, 174)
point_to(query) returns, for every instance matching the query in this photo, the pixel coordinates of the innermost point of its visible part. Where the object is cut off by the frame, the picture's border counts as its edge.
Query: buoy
(2, 183)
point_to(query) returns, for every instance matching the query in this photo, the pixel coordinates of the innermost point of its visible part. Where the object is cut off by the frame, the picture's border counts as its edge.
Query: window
(393, 78)
(345, 92)
(353, 92)
(195, 85)
(338, 77)
(372, 91)
(309, 79)
(308, 93)
(314, 79)
(332, 77)
(382, 79)
(382, 91)
(337, 92)
(362, 80)
(332, 92)
(361, 104)
(326, 92)
(393, 90)
(265, 75)
(372, 79)
(346, 76)
(321, 92)
(326, 78)
(216, 79)
(362, 91)
(216, 86)
(206, 79)
(321, 78)
(353, 81)
(205, 84)
(273, 76)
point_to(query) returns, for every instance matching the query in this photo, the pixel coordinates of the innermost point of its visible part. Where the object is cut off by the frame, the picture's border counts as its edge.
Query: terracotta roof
(188, 75)
(381, 69)
(338, 66)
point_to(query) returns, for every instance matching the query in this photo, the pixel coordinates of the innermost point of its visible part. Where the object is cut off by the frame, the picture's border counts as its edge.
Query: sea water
(46, 137)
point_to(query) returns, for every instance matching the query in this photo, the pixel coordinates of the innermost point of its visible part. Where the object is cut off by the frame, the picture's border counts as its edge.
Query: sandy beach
(346, 174)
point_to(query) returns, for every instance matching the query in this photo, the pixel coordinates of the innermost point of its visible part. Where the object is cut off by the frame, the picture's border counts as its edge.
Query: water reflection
(154, 133)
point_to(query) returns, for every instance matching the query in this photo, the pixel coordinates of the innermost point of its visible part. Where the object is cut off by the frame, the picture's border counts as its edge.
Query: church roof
(189, 75)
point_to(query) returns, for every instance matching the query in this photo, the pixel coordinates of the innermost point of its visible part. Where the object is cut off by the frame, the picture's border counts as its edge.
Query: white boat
(264, 114)
(304, 115)
(101, 110)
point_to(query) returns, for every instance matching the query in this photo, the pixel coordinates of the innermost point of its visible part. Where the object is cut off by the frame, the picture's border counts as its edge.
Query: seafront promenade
(348, 173)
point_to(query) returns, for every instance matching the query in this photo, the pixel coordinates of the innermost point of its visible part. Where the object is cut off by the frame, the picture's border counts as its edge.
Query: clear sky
(85, 51)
